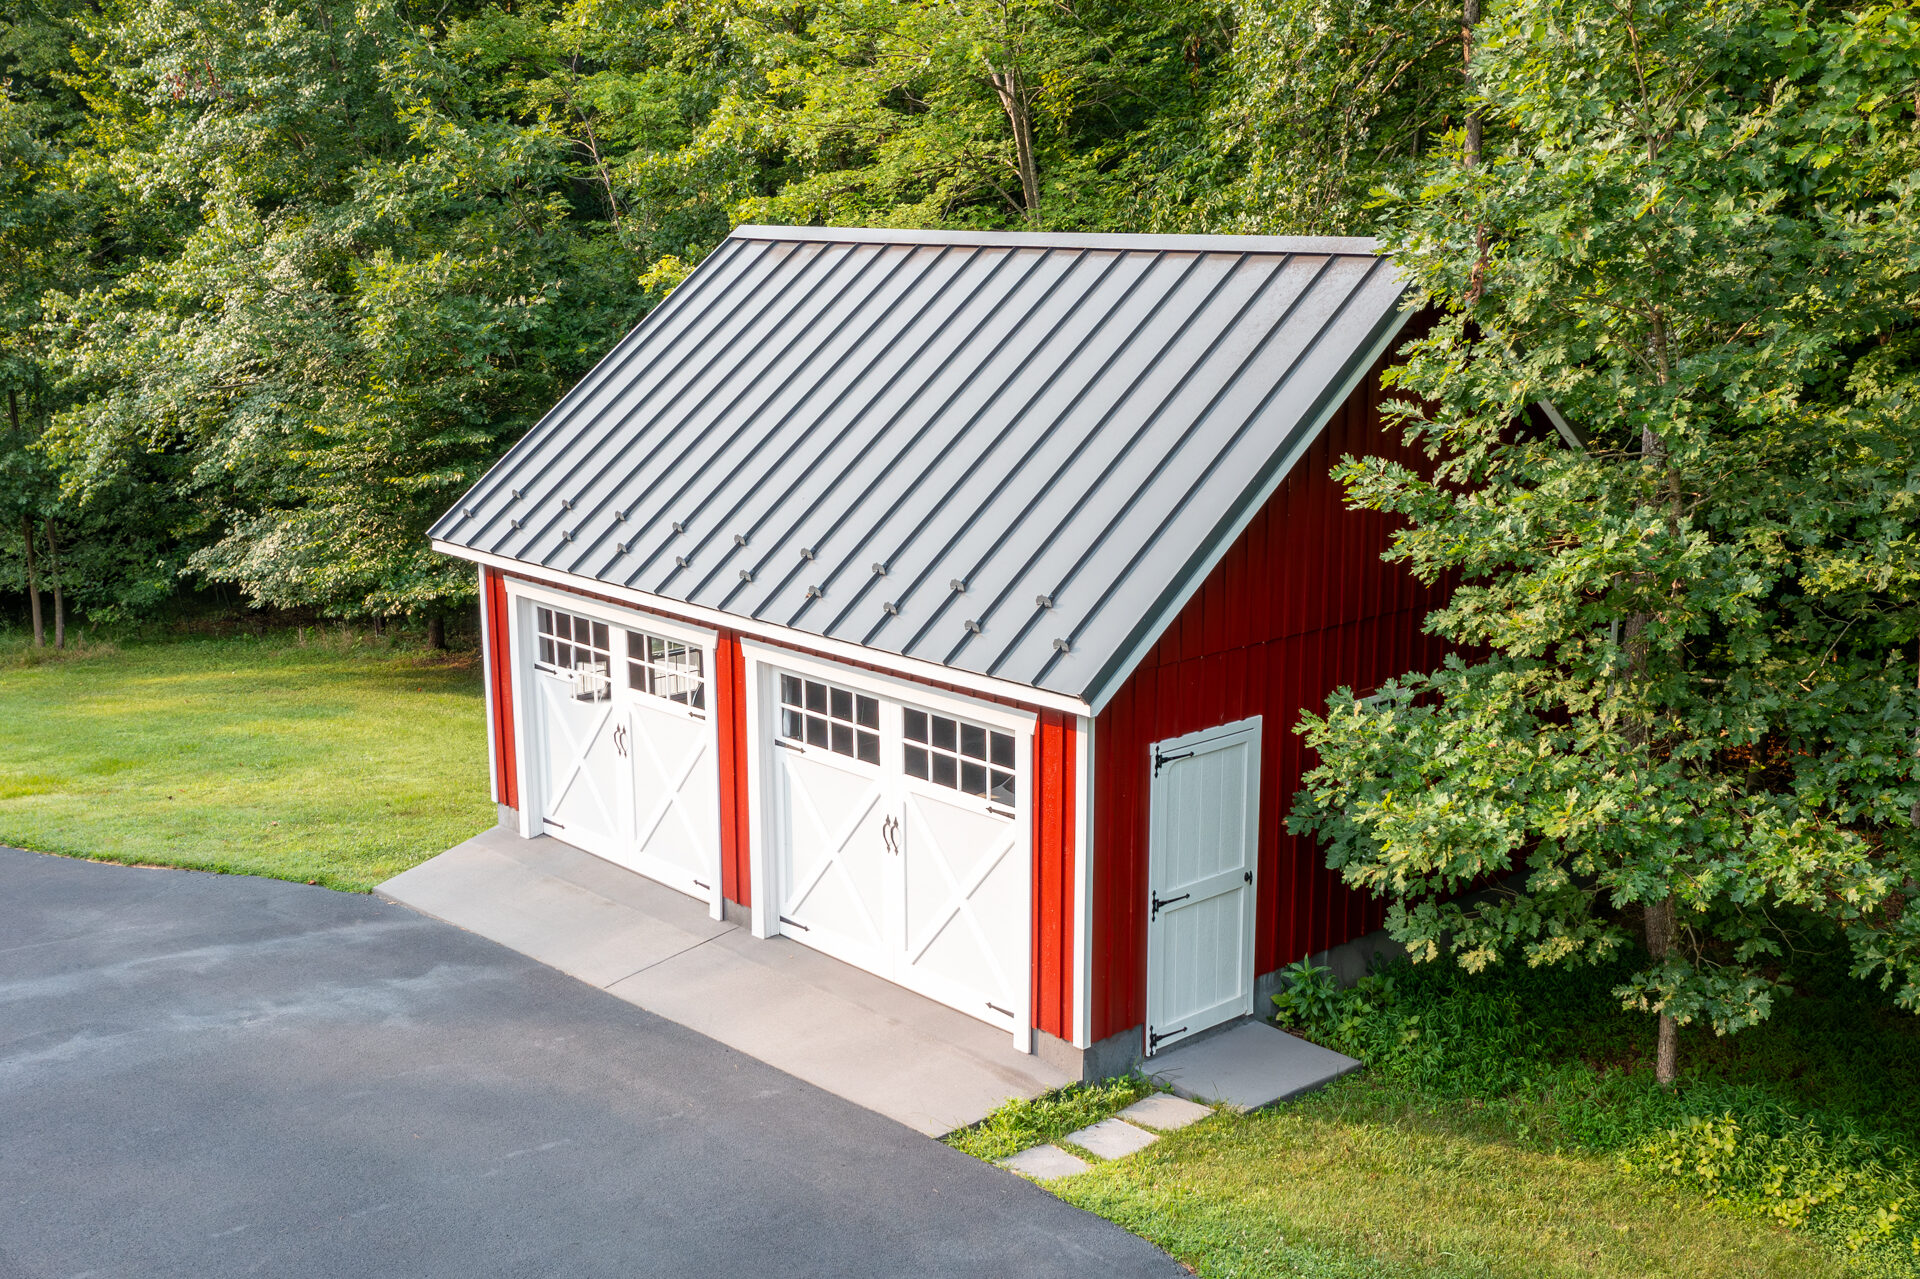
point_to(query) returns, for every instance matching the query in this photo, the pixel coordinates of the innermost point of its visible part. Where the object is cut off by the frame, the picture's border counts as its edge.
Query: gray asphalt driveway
(207, 1076)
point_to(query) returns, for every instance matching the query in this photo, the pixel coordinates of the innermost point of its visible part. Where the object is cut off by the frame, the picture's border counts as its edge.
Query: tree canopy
(1684, 683)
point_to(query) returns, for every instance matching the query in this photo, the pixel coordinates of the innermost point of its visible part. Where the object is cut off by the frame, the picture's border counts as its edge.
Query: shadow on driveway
(208, 1075)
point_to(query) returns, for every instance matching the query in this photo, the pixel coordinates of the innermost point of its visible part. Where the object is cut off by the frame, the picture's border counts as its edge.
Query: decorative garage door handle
(620, 738)
(890, 835)
(1158, 903)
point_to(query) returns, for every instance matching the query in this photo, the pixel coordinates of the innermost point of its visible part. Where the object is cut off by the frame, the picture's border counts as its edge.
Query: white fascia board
(1100, 696)
(909, 667)
(1571, 434)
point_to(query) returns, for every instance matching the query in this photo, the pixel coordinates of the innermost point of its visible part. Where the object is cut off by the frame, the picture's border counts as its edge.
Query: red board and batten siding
(730, 712)
(1300, 605)
(1054, 755)
(497, 618)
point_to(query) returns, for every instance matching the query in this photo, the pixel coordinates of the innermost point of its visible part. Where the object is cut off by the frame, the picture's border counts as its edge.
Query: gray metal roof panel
(1004, 454)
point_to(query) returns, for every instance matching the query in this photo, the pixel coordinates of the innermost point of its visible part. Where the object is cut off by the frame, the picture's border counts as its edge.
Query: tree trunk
(1013, 101)
(437, 632)
(59, 601)
(33, 584)
(1666, 1056)
(1469, 16)
(1482, 244)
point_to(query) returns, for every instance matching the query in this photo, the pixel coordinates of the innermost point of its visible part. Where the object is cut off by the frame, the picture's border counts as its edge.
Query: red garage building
(946, 601)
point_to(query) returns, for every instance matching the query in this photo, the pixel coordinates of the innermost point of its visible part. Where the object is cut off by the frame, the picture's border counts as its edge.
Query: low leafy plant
(1858, 1193)
(1309, 998)
(1025, 1122)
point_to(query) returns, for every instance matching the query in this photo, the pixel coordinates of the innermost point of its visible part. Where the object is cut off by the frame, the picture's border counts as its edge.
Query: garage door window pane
(973, 778)
(1003, 750)
(580, 645)
(1002, 791)
(969, 758)
(668, 669)
(822, 714)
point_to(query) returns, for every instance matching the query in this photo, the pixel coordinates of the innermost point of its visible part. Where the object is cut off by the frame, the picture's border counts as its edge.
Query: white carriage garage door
(898, 835)
(626, 763)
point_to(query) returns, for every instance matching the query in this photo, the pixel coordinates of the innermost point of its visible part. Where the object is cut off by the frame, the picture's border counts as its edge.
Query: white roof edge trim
(1016, 719)
(1568, 432)
(1301, 244)
(909, 667)
(1150, 634)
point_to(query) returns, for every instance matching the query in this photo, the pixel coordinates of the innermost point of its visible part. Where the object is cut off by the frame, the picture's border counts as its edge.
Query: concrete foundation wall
(1115, 1055)
(1349, 961)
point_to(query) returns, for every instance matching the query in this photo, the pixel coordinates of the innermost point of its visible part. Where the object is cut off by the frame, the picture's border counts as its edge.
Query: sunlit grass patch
(341, 764)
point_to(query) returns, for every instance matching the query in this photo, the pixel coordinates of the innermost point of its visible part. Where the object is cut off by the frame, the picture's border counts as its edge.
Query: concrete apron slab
(1248, 1066)
(840, 1029)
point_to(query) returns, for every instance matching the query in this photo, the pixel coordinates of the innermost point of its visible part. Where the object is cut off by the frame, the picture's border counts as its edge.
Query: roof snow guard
(1011, 455)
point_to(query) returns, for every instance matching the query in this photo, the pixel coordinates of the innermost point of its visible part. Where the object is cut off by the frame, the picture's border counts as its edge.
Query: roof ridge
(1360, 246)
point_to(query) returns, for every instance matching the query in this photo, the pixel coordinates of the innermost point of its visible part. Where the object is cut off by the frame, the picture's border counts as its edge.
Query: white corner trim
(1303, 440)
(1082, 882)
(525, 748)
(911, 668)
(754, 751)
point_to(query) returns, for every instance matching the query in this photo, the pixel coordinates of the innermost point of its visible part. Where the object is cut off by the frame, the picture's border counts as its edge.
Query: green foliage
(1023, 1123)
(1808, 1120)
(1685, 685)
(1861, 1194)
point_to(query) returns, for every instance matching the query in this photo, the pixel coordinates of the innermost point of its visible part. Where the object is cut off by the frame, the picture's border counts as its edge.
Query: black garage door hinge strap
(1154, 1037)
(1161, 761)
(794, 923)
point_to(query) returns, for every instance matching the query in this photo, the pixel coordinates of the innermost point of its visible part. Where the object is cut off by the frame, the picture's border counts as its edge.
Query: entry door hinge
(1154, 1036)
(1161, 761)
(1159, 901)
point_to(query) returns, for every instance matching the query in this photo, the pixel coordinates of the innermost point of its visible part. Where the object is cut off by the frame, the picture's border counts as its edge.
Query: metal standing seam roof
(1013, 455)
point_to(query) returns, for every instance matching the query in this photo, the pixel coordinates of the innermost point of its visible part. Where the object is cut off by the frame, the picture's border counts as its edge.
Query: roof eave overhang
(910, 667)
(1115, 675)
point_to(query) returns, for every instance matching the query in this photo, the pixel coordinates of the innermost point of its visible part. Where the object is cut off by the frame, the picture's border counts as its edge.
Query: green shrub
(1856, 1192)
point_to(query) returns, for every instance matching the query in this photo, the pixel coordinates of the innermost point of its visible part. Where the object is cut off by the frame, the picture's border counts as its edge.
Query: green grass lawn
(1508, 1125)
(339, 764)
(1357, 1184)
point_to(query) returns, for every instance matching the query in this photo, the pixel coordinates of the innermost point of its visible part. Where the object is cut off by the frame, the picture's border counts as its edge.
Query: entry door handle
(1158, 902)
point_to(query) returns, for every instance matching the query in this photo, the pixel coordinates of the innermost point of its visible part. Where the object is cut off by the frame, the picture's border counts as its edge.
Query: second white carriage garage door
(897, 834)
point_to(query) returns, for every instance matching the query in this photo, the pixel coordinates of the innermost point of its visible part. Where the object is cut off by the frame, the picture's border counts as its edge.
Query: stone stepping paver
(1113, 1138)
(1249, 1066)
(1044, 1163)
(1165, 1112)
